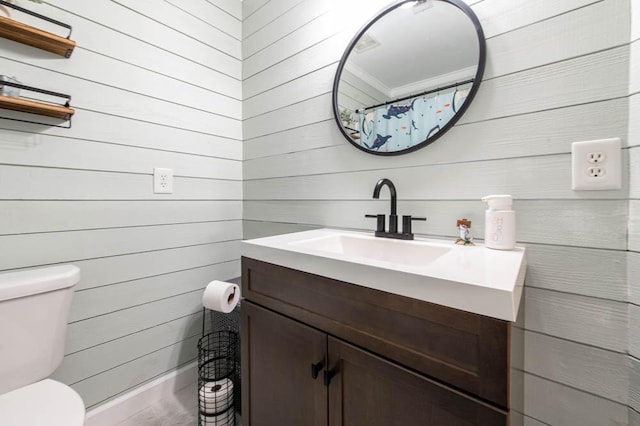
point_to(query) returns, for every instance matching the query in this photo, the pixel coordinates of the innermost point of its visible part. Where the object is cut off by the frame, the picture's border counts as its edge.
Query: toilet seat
(46, 402)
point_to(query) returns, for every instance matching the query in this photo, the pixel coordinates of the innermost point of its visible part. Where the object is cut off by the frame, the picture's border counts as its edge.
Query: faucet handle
(379, 221)
(406, 223)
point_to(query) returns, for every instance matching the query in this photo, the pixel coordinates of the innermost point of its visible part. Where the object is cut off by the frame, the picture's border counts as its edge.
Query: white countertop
(471, 278)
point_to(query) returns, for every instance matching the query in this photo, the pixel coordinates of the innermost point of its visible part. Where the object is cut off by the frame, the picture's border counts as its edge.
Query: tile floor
(178, 410)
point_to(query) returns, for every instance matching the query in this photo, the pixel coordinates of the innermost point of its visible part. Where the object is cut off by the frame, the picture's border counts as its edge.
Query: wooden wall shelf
(33, 107)
(35, 37)
(41, 106)
(26, 34)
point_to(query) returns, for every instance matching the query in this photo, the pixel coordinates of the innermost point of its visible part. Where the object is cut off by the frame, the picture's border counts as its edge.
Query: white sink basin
(471, 278)
(399, 252)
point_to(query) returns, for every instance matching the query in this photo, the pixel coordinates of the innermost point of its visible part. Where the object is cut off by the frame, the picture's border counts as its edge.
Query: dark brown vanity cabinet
(316, 351)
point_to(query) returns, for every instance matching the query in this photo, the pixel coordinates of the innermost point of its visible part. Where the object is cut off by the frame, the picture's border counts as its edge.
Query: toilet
(34, 309)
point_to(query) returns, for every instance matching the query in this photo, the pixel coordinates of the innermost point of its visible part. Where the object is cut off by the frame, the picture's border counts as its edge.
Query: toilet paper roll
(224, 419)
(221, 296)
(216, 396)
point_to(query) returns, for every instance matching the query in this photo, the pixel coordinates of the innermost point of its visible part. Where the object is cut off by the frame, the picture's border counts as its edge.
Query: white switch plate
(162, 181)
(596, 165)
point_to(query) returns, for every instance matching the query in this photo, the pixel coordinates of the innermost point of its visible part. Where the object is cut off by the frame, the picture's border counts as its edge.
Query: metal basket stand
(217, 355)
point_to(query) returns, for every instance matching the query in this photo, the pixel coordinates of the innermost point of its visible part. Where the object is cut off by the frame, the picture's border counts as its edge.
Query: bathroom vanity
(339, 339)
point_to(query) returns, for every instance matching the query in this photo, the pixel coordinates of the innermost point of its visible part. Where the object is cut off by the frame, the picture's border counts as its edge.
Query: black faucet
(393, 216)
(406, 233)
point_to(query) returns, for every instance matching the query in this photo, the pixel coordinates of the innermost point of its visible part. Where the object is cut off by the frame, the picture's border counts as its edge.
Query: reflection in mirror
(408, 75)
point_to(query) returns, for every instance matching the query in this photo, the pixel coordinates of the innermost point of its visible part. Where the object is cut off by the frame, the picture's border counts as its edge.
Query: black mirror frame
(474, 88)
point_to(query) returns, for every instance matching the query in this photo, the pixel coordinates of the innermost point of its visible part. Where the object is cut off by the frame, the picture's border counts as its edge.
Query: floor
(179, 410)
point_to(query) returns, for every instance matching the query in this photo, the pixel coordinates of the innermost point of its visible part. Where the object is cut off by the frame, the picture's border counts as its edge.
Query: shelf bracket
(65, 126)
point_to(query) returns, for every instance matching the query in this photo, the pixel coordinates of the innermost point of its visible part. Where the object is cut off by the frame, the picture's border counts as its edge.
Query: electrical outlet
(162, 181)
(595, 172)
(595, 157)
(596, 165)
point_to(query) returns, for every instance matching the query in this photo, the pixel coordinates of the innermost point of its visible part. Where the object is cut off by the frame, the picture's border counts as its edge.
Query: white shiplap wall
(155, 84)
(633, 259)
(557, 72)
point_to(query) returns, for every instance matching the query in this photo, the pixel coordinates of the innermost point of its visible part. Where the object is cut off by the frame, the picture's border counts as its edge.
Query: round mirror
(408, 75)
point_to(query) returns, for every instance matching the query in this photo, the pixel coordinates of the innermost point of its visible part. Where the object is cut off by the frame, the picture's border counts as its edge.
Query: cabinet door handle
(328, 375)
(316, 368)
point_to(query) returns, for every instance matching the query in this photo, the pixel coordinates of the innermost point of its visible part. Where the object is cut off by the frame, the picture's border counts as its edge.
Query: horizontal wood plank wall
(557, 73)
(154, 84)
(633, 259)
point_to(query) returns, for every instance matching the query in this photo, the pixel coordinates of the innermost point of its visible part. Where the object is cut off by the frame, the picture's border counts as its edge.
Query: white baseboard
(138, 399)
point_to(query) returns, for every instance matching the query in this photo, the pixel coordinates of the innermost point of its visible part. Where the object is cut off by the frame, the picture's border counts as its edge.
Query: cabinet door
(277, 383)
(368, 390)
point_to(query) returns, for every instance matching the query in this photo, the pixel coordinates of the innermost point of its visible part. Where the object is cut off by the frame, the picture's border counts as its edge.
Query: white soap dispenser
(500, 223)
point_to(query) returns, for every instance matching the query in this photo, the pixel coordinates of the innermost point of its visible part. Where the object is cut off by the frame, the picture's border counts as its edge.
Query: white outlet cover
(582, 165)
(162, 181)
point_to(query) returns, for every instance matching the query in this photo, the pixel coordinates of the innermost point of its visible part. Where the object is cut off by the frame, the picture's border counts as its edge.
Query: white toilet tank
(34, 309)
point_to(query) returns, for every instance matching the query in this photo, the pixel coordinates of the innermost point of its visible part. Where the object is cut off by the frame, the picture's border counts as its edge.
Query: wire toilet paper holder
(219, 355)
(217, 359)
